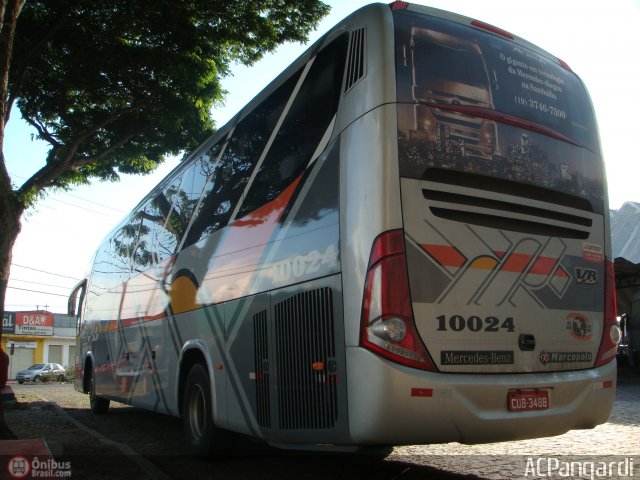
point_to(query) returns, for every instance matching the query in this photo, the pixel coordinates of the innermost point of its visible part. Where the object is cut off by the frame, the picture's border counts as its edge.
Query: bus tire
(98, 406)
(197, 413)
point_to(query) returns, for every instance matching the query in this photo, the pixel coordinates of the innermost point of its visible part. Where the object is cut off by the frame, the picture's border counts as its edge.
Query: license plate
(527, 400)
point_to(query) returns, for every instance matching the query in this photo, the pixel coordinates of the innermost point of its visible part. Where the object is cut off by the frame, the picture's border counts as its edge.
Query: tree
(115, 85)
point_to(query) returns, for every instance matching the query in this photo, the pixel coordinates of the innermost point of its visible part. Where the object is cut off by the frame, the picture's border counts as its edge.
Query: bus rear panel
(488, 310)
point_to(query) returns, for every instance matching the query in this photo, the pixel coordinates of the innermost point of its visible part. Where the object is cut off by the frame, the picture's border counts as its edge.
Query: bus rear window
(452, 79)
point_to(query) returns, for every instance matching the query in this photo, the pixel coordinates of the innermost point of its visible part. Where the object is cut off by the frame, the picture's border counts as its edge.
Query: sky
(600, 42)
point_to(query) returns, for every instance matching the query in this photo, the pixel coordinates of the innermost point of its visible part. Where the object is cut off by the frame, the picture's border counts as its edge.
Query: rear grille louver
(506, 205)
(356, 67)
(306, 361)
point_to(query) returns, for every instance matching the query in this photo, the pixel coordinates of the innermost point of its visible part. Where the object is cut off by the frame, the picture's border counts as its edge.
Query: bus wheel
(197, 419)
(98, 405)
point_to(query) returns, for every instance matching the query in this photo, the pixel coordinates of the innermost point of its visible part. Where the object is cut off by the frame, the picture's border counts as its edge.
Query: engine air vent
(356, 67)
(306, 361)
(261, 355)
(506, 205)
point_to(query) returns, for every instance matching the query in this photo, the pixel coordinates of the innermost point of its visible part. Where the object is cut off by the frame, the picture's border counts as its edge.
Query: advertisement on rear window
(472, 101)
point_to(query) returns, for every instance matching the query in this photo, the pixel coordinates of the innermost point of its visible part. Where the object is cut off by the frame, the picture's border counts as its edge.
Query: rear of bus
(488, 309)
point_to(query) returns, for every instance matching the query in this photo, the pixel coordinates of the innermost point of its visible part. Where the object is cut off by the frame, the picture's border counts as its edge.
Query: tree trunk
(10, 212)
(10, 208)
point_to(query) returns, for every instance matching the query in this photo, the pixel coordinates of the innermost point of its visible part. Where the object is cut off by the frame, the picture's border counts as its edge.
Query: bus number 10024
(474, 323)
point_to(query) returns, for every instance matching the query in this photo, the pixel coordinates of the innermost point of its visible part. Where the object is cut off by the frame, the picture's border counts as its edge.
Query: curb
(7, 397)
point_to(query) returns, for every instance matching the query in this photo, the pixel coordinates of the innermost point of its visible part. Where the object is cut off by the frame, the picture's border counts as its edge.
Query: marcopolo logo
(565, 357)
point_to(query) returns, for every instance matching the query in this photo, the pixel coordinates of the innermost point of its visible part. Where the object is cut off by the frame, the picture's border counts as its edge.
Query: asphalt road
(134, 444)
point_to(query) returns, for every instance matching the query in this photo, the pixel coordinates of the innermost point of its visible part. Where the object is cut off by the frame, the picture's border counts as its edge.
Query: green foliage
(115, 85)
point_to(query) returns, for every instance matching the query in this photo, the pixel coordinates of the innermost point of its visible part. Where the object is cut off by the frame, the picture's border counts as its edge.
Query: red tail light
(610, 330)
(387, 325)
(564, 65)
(399, 5)
(493, 29)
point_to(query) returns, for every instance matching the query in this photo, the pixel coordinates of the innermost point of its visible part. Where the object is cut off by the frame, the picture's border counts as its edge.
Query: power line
(80, 207)
(30, 307)
(46, 225)
(37, 283)
(44, 271)
(79, 198)
(95, 203)
(38, 291)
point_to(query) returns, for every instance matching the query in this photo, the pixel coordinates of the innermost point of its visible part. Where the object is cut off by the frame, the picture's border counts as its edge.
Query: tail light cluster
(399, 5)
(610, 330)
(387, 325)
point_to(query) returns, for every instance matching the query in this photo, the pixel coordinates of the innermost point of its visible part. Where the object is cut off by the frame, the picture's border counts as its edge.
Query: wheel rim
(197, 411)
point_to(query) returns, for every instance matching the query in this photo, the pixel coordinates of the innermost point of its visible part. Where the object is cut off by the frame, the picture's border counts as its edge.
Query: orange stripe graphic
(517, 262)
(446, 255)
(449, 256)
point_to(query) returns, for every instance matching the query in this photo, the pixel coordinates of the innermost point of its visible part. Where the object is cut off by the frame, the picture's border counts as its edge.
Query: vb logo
(586, 276)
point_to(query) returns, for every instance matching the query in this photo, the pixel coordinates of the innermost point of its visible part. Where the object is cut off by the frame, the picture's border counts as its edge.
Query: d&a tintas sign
(34, 323)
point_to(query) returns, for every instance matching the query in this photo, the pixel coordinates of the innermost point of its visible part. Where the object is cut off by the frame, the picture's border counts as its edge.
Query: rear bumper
(466, 408)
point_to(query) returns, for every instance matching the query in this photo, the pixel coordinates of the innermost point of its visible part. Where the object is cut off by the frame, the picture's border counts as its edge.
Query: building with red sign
(40, 336)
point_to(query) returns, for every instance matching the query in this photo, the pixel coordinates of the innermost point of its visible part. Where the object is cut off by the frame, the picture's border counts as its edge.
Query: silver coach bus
(403, 239)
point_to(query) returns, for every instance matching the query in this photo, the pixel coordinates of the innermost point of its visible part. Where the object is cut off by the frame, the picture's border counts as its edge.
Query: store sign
(8, 322)
(22, 345)
(34, 323)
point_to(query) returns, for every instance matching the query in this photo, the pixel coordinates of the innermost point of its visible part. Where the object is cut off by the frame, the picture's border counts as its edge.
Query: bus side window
(112, 265)
(166, 235)
(306, 123)
(104, 274)
(75, 303)
(172, 209)
(231, 174)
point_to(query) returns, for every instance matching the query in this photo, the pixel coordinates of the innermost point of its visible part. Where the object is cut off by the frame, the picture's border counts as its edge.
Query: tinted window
(113, 264)
(106, 269)
(450, 80)
(446, 62)
(142, 246)
(303, 128)
(165, 237)
(230, 176)
(179, 202)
